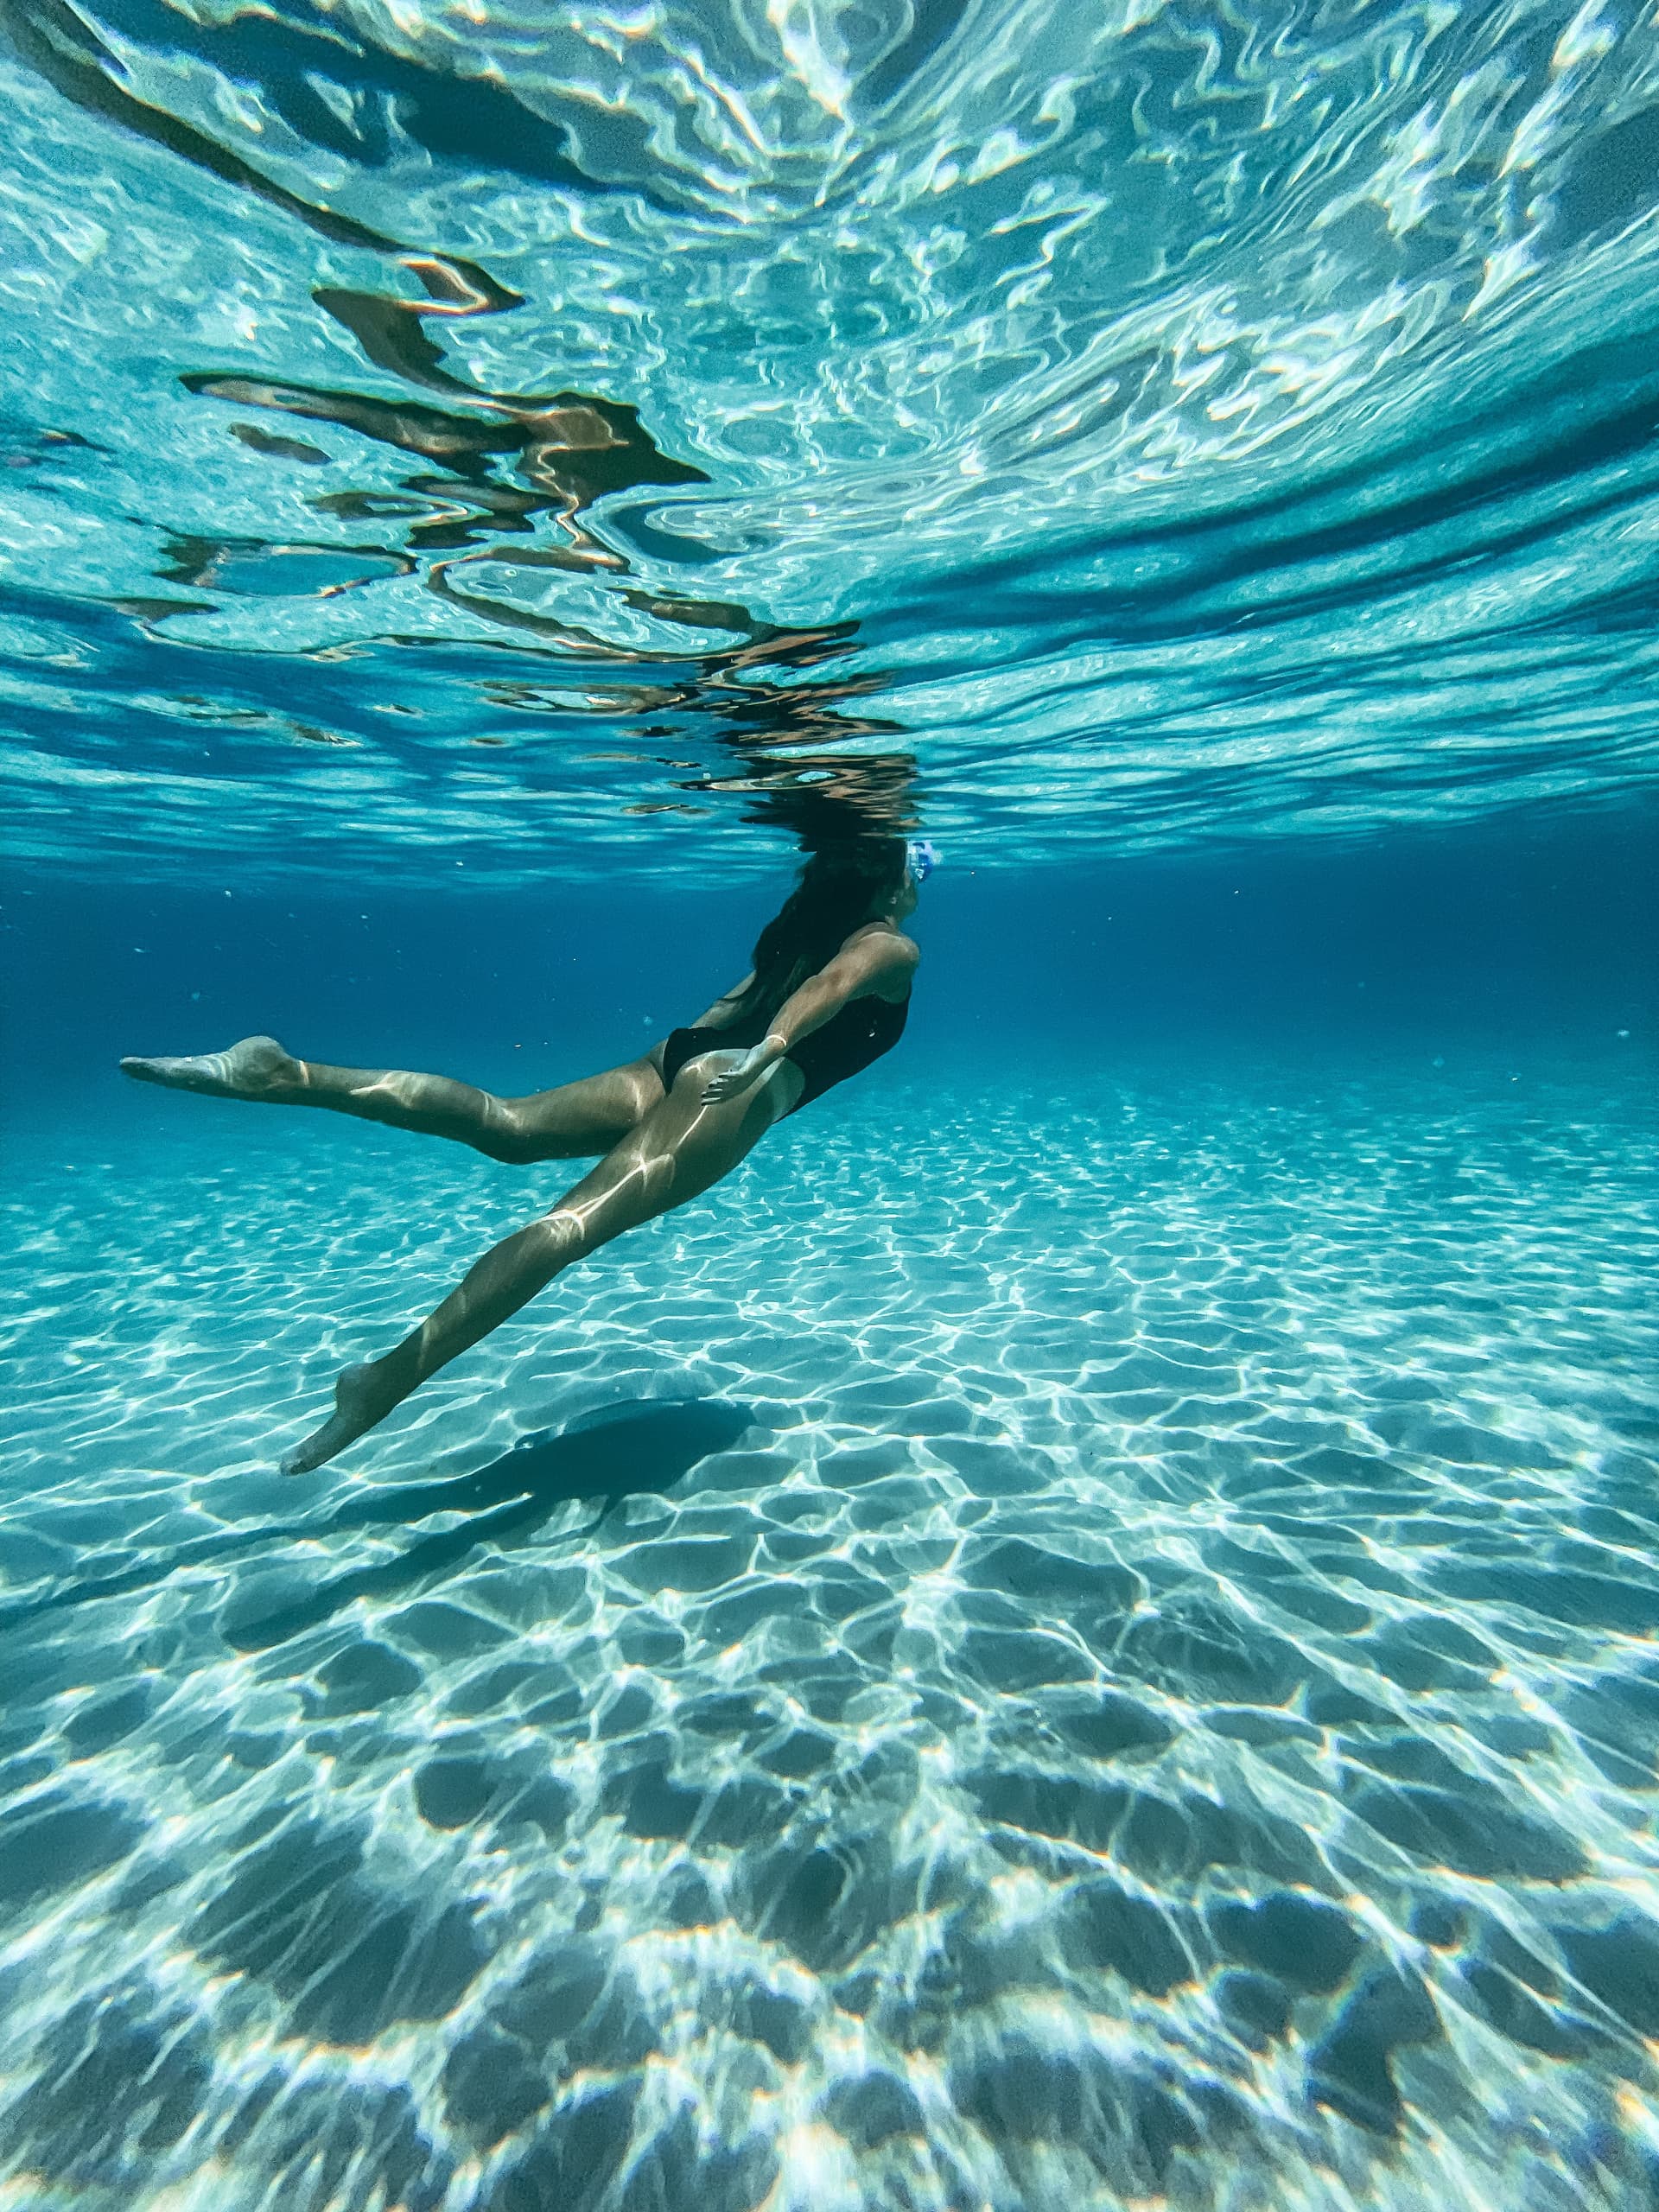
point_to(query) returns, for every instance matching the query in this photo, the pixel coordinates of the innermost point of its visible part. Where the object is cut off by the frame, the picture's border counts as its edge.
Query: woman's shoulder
(884, 938)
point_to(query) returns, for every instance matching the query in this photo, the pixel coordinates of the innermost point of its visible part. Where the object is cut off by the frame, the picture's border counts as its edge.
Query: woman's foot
(256, 1068)
(361, 1398)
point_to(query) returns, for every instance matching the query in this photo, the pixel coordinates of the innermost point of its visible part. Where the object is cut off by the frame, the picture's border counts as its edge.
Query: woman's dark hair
(840, 885)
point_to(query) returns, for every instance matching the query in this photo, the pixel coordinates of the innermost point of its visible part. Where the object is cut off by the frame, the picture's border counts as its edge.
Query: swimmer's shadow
(622, 1452)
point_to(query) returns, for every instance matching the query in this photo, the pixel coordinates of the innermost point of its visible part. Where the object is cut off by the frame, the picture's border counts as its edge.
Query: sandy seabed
(1024, 1654)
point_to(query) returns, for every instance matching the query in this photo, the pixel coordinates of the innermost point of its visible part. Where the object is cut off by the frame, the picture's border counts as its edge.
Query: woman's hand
(744, 1070)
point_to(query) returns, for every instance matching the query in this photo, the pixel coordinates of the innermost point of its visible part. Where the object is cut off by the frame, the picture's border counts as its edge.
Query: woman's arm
(879, 965)
(872, 966)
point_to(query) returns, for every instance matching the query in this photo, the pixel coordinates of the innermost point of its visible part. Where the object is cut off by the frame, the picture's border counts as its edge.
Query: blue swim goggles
(922, 856)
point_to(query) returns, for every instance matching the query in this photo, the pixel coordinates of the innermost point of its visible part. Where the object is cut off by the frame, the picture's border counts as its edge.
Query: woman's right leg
(568, 1122)
(682, 1147)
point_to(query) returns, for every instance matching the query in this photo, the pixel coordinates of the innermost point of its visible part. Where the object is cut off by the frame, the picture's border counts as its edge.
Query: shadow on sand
(619, 1453)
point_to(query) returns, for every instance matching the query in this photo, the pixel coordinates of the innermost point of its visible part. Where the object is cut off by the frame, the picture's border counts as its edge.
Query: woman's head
(842, 887)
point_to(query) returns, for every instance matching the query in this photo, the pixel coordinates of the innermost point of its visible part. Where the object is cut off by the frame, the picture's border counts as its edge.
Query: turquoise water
(1081, 1633)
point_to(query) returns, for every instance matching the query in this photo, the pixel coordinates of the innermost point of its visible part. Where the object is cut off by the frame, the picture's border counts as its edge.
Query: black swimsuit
(847, 1042)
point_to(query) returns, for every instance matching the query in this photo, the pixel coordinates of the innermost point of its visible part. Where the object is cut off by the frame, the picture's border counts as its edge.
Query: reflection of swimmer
(828, 994)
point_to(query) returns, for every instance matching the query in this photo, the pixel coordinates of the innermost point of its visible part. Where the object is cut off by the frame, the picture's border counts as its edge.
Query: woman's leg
(680, 1149)
(566, 1123)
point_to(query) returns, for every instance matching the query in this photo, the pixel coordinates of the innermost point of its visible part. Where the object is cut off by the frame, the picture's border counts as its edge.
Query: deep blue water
(1080, 1631)
(1530, 937)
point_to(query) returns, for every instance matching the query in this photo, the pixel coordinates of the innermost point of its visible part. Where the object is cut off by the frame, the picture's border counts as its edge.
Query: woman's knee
(507, 1135)
(510, 1152)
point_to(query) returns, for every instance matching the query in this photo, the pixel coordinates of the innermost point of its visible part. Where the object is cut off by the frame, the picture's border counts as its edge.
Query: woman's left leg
(680, 1149)
(585, 1117)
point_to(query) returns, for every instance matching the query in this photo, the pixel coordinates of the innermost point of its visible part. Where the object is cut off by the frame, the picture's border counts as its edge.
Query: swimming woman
(827, 993)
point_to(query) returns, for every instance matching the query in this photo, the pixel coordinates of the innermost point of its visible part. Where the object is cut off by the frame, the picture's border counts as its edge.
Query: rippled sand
(1079, 1654)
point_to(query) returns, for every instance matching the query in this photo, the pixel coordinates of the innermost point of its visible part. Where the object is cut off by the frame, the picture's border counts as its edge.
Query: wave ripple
(1247, 412)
